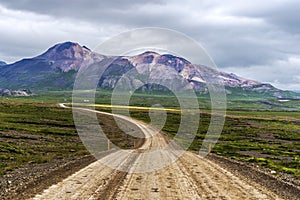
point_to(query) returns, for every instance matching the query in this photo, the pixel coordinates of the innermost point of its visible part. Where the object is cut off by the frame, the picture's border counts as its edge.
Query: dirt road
(130, 176)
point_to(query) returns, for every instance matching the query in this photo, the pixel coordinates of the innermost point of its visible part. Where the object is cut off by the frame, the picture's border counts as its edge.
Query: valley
(43, 155)
(264, 139)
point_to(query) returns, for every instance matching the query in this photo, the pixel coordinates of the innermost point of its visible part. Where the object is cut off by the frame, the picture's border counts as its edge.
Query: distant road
(190, 177)
(125, 107)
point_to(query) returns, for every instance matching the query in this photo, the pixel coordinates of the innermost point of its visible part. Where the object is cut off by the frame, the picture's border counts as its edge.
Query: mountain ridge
(57, 67)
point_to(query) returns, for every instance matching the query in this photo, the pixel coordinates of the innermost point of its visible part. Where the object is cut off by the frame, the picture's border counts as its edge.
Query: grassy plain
(34, 129)
(35, 132)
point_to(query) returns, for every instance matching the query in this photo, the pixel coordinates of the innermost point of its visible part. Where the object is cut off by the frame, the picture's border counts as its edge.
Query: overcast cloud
(255, 39)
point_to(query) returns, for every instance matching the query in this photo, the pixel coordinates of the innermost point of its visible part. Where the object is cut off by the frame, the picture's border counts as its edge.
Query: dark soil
(283, 185)
(33, 178)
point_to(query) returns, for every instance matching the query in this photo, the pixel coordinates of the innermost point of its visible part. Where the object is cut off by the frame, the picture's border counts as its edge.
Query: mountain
(168, 68)
(54, 69)
(57, 68)
(7, 92)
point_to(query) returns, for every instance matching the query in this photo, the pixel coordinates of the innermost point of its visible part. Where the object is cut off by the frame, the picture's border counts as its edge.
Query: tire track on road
(189, 177)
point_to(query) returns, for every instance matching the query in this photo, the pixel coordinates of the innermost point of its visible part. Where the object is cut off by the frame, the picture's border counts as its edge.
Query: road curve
(190, 177)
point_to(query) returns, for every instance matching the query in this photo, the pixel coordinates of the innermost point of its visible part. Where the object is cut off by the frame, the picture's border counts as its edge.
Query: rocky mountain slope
(18, 93)
(54, 69)
(58, 66)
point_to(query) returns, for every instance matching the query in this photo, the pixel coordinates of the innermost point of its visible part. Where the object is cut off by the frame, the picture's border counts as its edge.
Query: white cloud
(26, 34)
(250, 35)
(284, 74)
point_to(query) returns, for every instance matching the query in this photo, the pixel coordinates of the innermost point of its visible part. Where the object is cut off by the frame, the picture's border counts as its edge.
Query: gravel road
(130, 176)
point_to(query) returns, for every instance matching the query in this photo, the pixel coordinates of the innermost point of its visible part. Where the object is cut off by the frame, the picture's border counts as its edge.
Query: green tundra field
(36, 130)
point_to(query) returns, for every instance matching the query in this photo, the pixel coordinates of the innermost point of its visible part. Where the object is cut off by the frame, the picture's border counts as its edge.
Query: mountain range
(56, 69)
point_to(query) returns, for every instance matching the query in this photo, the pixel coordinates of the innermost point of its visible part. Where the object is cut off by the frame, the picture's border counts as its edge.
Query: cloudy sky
(255, 39)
